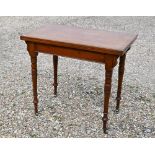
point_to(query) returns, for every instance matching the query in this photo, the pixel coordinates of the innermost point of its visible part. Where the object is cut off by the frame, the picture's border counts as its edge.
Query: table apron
(70, 52)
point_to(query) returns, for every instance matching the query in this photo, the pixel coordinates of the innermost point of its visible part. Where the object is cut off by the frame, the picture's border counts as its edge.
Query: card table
(85, 44)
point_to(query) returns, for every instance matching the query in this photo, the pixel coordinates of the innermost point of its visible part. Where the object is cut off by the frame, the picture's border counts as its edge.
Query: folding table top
(116, 43)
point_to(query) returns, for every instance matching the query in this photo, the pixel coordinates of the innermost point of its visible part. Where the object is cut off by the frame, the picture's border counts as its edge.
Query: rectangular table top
(116, 43)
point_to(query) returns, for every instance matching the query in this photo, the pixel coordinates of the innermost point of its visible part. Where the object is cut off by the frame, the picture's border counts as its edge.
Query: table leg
(120, 80)
(107, 92)
(55, 65)
(34, 80)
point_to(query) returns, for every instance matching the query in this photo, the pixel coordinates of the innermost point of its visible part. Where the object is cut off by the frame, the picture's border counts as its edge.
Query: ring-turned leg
(34, 79)
(55, 66)
(120, 80)
(107, 92)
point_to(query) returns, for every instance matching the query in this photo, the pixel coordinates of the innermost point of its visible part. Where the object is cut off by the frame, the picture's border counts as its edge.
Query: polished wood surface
(93, 40)
(91, 45)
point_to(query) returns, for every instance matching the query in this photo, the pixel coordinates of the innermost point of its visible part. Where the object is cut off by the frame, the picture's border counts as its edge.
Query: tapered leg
(34, 80)
(107, 92)
(55, 65)
(120, 80)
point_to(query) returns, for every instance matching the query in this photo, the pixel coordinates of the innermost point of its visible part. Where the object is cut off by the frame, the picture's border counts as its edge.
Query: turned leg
(107, 92)
(34, 80)
(120, 80)
(55, 65)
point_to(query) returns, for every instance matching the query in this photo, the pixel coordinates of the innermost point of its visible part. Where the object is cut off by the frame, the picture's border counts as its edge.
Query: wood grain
(93, 40)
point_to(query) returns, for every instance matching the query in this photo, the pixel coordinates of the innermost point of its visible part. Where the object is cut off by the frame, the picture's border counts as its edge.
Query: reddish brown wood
(92, 45)
(109, 65)
(70, 52)
(107, 91)
(55, 66)
(33, 56)
(114, 43)
(120, 80)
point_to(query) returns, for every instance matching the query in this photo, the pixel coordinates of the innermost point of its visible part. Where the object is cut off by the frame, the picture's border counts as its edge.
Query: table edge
(77, 46)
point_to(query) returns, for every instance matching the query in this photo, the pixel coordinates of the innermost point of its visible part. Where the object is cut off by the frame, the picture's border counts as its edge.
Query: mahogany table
(91, 45)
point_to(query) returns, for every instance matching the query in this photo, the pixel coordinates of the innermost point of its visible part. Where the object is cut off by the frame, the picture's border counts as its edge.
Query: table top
(116, 43)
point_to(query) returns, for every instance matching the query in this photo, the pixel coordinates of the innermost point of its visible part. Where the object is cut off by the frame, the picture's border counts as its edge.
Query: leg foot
(105, 119)
(117, 111)
(36, 107)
